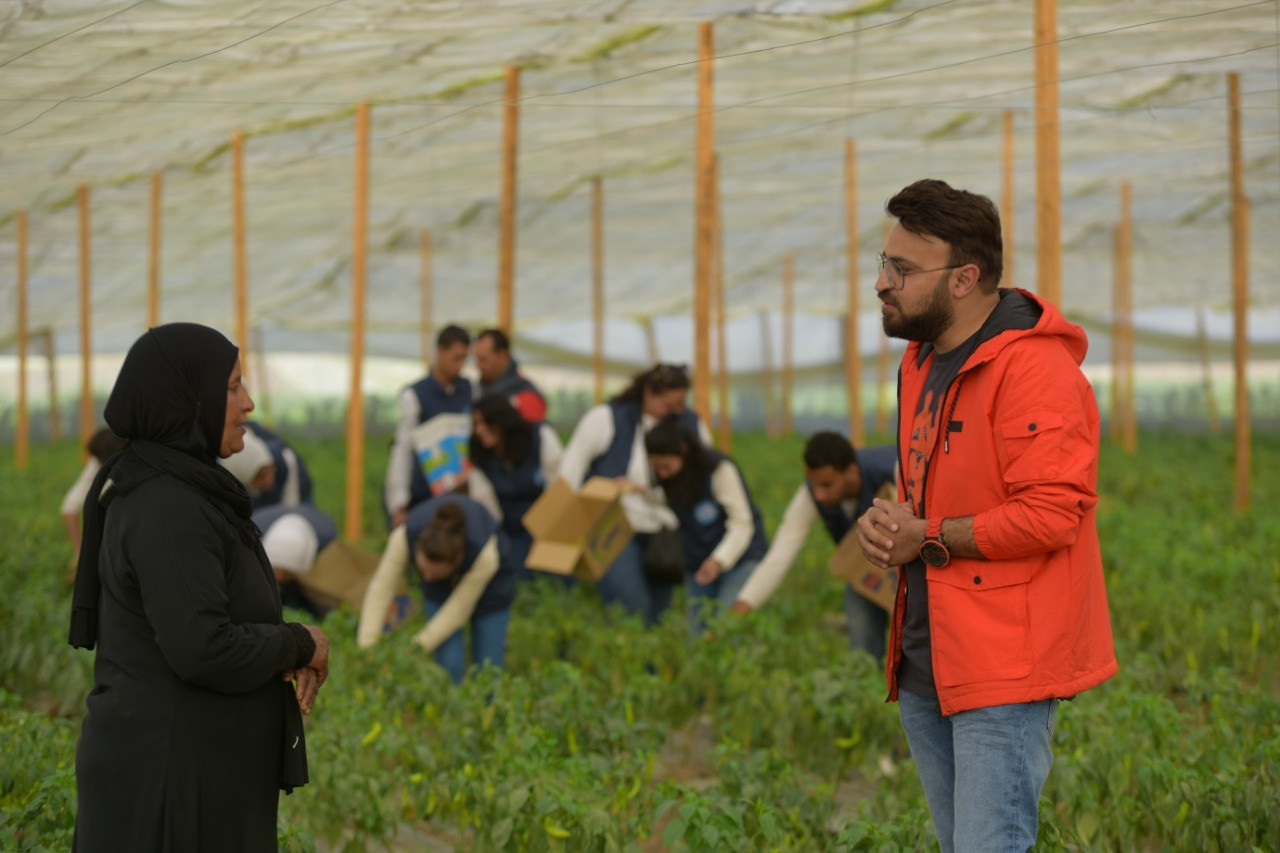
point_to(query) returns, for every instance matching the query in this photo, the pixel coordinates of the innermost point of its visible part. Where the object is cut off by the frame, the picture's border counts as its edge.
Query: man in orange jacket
(1001, 609)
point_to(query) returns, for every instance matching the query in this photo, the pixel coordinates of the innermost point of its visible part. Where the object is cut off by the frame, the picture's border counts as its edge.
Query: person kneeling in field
(720, 525)
(454, 545)
(272, 472)
(292, 538)
(102, 445)
(839, 486)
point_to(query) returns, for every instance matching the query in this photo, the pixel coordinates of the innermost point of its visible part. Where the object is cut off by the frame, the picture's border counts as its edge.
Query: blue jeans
(717, 596)
(982, 770)
(625, 583)
(866, 623)
(488, 641)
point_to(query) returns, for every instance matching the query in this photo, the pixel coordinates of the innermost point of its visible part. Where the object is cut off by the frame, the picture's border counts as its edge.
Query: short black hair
(452, 334)
(104, 444)
(968, 222)
(501, 343)
(829, 449)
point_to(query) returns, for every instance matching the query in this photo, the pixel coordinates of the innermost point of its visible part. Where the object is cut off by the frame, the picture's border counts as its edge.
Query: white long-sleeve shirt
(481, 490)
(739, 525)
(646, 510)
(797, 521)
(73, 501)
(452, 615)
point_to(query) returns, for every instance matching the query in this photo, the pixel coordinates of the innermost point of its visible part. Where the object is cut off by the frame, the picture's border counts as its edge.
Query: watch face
(934, 553)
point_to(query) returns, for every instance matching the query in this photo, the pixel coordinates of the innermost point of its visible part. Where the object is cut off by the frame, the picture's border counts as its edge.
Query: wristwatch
(933, 550)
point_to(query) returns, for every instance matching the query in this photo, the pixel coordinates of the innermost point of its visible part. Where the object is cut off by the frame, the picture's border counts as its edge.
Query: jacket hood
(1011, 321)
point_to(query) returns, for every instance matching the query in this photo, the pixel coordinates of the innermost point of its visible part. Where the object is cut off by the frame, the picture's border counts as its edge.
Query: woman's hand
(310, 677)
(708, 571)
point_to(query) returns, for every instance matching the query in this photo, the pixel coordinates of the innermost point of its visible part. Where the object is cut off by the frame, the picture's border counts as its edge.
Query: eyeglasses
(897, 276)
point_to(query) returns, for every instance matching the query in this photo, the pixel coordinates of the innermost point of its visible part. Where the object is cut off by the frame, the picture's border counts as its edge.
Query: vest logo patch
(706, 512)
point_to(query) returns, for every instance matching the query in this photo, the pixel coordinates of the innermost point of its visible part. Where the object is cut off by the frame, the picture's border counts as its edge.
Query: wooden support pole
(651, 340)
(1206, 372)
(882, 387)
(788, 340)
(852, 346)
(425, 336)
(1240, 297)
(597, 286)
(86, 319)
(724, 436)
(353, 519)
(507, 210)
(22, 438)
(153, 265)
(766, 376)
(1008, 207)
(1048, 177)
(241, 262)
(51, 359)
(1124, 291)
(703, 227)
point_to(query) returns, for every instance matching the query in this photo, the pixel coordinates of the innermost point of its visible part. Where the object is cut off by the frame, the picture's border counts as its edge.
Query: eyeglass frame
(882, 260)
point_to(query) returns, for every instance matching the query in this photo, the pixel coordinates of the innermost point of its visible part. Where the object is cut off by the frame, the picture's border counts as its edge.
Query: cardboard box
(577, 533)
(341, 573)
(868, 580)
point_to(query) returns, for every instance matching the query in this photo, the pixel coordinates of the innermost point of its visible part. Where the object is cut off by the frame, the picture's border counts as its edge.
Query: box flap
(555, 514)
(555, 557)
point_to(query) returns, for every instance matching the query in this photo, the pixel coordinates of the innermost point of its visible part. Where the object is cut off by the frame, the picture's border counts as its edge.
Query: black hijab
(170, 403)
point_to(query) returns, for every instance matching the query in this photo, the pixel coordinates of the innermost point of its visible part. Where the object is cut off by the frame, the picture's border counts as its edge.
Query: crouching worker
(720, 525)
(452, 541)
(292, 538)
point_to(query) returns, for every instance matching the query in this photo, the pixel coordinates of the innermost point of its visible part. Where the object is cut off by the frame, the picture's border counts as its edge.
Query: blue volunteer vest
(434, 400)
(876, 464)
(703, 526)
(284, 470)
(517, 486)
(325, 529)
(480, 526)
(626, 420)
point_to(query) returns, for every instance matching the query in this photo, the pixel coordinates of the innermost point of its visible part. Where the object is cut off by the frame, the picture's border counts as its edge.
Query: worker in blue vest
(271, 471)
(512, 461)
(720, 525)
(429, 454)
(452, 541)
(500, 374)
(609, 442)
(292, 536)
(840, 484)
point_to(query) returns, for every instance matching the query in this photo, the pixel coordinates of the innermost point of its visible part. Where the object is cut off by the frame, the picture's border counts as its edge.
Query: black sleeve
(180, 563)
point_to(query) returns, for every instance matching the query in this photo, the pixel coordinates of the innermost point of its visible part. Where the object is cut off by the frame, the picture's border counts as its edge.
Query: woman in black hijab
(193, 724)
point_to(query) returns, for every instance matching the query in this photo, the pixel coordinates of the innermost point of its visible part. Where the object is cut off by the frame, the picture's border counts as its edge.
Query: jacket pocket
(979, 624)
(1030, 446)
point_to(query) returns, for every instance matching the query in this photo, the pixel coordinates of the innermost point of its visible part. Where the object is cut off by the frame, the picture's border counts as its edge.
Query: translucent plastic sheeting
(106, 94)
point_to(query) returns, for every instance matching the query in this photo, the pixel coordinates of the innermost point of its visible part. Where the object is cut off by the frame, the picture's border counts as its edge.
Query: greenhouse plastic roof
(107, 93)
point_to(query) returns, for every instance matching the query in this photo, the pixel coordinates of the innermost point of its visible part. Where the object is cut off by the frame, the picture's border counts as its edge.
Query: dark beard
(929, 324)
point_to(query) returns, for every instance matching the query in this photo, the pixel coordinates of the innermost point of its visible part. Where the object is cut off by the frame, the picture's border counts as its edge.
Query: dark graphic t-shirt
(916, 671)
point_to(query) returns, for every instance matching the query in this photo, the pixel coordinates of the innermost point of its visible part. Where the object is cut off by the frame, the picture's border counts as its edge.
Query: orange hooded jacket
(1019, 453)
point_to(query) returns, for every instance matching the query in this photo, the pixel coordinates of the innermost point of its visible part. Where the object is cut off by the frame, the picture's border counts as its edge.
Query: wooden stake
(51, 358)
(1008, 208)
(507, 211)
(1206, 371)
(1240, 297)
(22, 438)
(1124, 290)
(425, 321)
(651, 340)
(703, 228)
(597, 286)
(852, 346)
(788, 342)
(86, 310)
(766, 375)
(882, 387)
(1048, 177)
(240, 254)
(354, 526)
(724, 437)
(153, 267)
